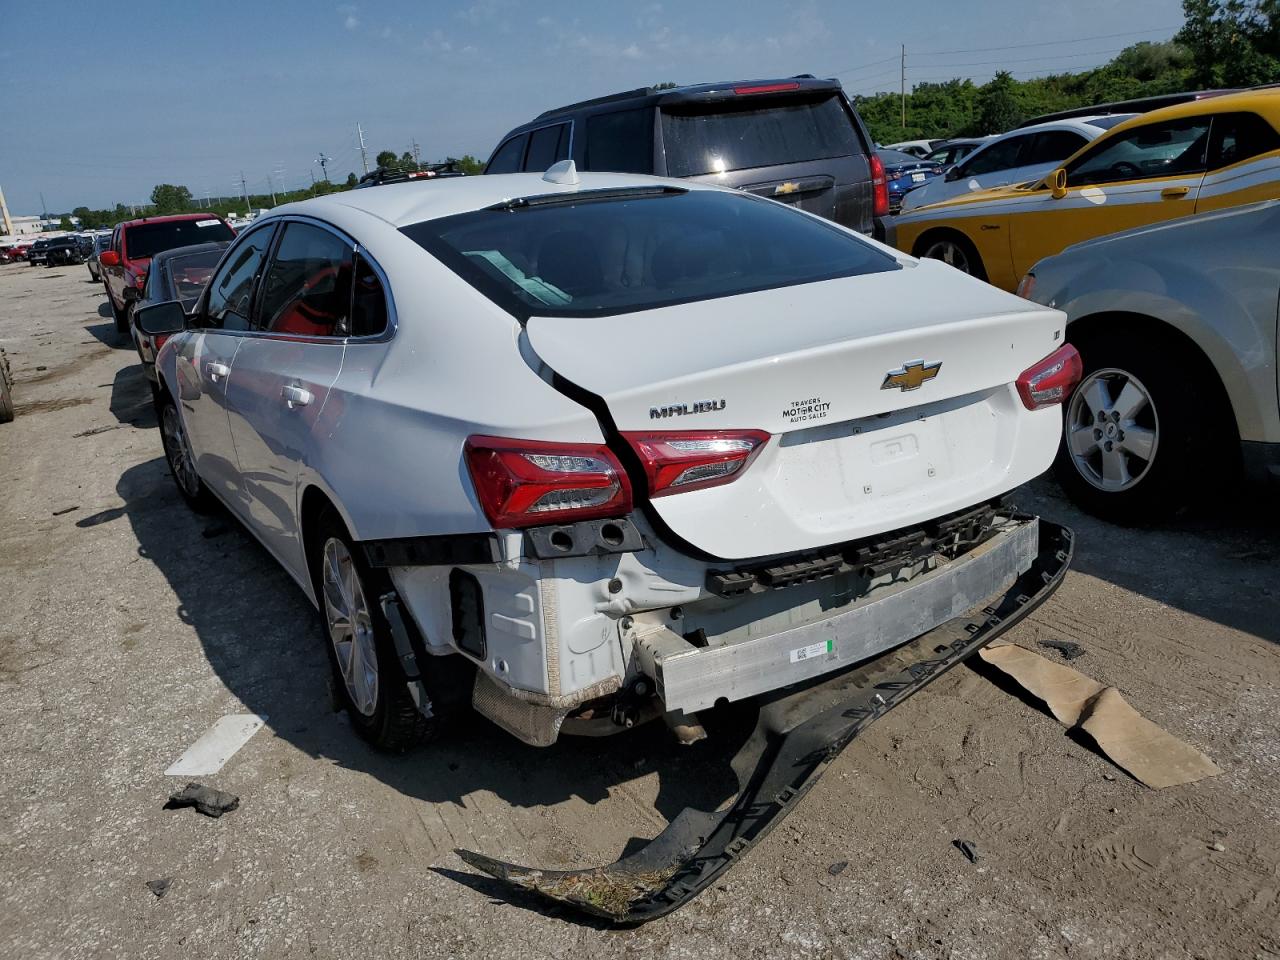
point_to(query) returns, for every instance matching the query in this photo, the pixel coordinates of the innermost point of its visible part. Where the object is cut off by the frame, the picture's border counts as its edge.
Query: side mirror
(109, 258)
(161, 318)
(952, 174)
(1058, 183)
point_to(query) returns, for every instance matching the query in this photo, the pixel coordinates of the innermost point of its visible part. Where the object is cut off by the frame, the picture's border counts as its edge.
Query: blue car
(904, 173)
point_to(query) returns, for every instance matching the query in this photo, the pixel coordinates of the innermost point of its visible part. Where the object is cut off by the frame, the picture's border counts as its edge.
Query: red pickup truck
(125, 263)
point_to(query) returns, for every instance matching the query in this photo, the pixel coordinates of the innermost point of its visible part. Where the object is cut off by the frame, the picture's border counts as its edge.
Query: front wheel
(1140, 441)
(181, 459)
(361, 649)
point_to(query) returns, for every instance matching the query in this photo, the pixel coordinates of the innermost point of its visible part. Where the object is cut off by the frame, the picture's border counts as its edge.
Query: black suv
(798, 140)
(67, 250)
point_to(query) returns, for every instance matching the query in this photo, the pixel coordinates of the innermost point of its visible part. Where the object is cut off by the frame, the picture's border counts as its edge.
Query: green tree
(65, 223)
(387, 159)
(351, 180)
(998, 106)
(167, 198)
(470, 165)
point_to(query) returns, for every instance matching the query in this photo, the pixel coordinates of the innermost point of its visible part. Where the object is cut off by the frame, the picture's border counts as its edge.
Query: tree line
(1222, 43)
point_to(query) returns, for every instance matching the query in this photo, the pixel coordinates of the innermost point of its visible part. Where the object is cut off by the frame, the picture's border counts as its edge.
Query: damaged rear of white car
(629, 448)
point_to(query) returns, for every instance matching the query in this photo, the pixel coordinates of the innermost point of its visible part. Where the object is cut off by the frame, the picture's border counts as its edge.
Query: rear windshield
(604, 252)
(740, 134)
(148, 239)
(191, 272)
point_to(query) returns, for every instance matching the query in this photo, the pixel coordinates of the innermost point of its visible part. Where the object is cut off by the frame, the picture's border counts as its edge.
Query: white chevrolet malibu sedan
(585, 451)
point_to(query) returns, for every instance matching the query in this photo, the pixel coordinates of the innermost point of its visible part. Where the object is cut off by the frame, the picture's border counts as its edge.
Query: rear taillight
(879, 188)
(676, 462)
(524, 483)
(1051, 380)
(160, 339)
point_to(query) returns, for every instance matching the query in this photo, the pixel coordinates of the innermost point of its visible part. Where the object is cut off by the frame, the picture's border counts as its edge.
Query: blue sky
(103, 100)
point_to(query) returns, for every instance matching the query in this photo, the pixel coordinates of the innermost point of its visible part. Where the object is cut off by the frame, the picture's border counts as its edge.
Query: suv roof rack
(379, 176)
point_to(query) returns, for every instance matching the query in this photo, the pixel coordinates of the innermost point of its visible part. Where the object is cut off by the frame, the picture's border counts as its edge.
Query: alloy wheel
(350, 626)
(950, 253)
(1112, 430)
(178, 450)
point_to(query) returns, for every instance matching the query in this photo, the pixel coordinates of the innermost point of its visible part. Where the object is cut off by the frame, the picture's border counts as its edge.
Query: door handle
(1173, 193)
(296, 396)
(216, 371)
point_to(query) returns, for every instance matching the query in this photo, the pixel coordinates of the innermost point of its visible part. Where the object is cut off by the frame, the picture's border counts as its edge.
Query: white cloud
(351, 22)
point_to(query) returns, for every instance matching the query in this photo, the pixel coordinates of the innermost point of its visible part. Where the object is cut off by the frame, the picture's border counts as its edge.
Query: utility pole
(271, 188)
(244, 189)
(904, 86)
(323, 161)
(417, 162)
(4, 215)
(364, 157)
(44, 208)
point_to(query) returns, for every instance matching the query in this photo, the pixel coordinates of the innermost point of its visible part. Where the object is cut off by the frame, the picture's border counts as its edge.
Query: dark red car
(125, 264)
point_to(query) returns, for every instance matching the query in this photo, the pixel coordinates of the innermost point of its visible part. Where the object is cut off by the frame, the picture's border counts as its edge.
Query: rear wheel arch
(312, 507)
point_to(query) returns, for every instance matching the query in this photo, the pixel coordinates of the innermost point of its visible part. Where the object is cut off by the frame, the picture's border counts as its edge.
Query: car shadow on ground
(131, 397)
(106, 332)
(1219, 562)
(263, 639)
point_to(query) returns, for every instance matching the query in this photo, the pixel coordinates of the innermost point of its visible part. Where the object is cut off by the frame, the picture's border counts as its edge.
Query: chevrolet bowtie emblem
(910, 376)
(785, 188)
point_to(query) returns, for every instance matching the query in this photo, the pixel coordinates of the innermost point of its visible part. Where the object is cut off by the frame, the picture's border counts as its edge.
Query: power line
(1053, 43)
(1053, 56)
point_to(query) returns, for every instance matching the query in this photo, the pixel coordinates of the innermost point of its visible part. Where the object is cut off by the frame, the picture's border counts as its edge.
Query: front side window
(620, 142)
(230, 300)
(740, 134)
(546, 146)
(1169, 149)
(506, 159)
(1003, 155)
(1241, 136)
(607, 252)
(307, 288)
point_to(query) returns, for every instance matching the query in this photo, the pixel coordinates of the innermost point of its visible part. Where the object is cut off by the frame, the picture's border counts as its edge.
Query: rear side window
(1053, 146)
(148, 239)
(307, 288)
(999, 156)
(369, 303)
(608, 252)
(1241, 136)
(745, 133)
(620, 142)
(546, 146)
(506, 159)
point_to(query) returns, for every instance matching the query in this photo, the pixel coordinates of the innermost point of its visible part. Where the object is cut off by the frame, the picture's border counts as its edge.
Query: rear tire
(954, 249)
(6, 390)
(362, 653)
(1142, 437)
(181, 459)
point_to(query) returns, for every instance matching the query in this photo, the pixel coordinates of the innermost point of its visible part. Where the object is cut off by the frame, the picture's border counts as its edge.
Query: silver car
(1177, 327)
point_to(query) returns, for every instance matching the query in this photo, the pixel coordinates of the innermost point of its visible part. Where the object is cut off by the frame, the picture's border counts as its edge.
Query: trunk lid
(847, 458)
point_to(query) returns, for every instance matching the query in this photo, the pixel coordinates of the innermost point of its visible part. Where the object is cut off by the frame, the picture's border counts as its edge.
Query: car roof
(170, 218)
(164, 255)
(722, 89)
(1265, 101)
(401, 204)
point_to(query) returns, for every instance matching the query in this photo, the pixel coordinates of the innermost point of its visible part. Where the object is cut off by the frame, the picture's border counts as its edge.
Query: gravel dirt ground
(128, 626)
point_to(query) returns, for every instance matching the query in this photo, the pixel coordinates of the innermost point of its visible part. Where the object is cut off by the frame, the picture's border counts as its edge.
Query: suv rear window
(740, 134)
(600, 253)
(148, 239)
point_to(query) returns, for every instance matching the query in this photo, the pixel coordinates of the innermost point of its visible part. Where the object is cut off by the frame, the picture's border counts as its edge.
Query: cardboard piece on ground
(1150, 754)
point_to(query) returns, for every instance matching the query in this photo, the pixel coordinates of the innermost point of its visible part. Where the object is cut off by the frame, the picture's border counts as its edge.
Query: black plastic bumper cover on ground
(798, 734)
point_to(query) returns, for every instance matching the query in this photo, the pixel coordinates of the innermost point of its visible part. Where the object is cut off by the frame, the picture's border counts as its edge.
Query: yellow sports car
(1212, 153)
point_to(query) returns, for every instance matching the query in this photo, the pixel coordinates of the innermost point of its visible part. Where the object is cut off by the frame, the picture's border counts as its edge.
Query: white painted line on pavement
(218, 745)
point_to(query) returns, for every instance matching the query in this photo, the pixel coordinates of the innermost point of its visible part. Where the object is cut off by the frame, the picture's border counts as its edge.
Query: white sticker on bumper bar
(812, 650)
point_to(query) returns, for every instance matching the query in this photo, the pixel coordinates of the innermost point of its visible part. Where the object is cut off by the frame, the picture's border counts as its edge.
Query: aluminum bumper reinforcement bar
(800, 731)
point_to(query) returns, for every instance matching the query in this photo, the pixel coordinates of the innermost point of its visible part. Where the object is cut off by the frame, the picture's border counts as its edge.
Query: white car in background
(606, 447)
(1027, 153)
(1176, 324)
(916, 148)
